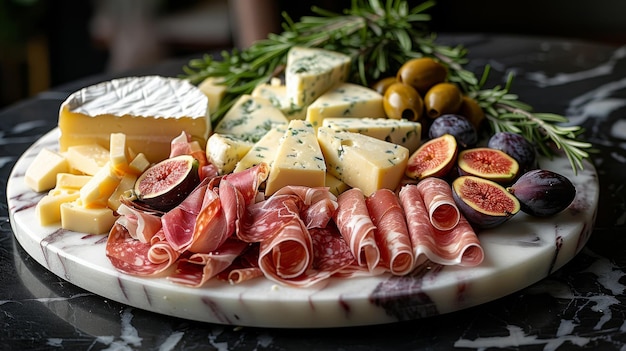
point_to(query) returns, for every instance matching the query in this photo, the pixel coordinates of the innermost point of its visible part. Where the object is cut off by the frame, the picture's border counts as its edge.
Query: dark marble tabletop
(579, 306)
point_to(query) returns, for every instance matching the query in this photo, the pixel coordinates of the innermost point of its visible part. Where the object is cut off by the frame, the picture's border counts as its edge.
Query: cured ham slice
(141, 225)
(287, 254)
(392, 234)
(133, 257)
(459, 245)
(179, 222)
(318, 204)
(356, 227)
(198, 268)
(244, 268)
(437, 195)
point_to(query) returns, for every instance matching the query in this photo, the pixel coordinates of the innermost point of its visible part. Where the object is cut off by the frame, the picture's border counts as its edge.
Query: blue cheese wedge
(310, 72)
(250, 118)
(225, 150)
(397, 131)
(346, 100)
(299, 159)
(362, 161)
(149, 110)
(263, 150)
(276, 93)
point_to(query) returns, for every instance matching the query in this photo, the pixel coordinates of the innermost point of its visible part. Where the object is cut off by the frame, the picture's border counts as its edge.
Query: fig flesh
(515, 146)
(456, 125)
(543, 193)
(487, 163)
(167, 183)
(435, 158)
(484, 203)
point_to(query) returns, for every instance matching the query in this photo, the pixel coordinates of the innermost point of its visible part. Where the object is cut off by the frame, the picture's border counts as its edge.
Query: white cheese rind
(310, 72)
(346, 100)
(150, 110)
(299, 159)
(397, 131)
(362, 161)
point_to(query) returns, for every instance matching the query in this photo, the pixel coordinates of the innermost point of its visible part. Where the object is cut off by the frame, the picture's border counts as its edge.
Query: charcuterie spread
(301, 179)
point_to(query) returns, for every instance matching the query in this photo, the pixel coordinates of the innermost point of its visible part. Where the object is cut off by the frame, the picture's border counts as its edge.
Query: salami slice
(356, 227)
(442, 210)
(392, 234)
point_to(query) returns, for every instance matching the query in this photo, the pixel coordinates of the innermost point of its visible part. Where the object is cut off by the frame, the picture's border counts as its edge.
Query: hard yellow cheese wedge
(42, 172)
(362, 161)
(299, 159)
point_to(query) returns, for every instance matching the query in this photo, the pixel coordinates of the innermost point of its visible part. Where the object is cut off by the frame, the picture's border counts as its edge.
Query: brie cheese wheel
(149, 110)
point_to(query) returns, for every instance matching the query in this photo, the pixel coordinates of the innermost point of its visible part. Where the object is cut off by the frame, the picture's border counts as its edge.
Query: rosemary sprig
(380, 35)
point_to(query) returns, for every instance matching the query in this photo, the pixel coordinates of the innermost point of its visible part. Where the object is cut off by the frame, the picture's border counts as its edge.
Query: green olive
(422, 73)
(472, 111)
(402, 101)
(381, 85)
(442, 98)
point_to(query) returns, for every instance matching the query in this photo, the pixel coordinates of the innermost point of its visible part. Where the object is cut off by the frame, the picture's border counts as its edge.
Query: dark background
(47, 43)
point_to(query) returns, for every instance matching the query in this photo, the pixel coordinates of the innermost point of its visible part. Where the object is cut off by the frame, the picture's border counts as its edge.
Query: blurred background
(47, 43)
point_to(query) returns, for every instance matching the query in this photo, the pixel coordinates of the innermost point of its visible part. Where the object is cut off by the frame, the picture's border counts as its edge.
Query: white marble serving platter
(517, 254)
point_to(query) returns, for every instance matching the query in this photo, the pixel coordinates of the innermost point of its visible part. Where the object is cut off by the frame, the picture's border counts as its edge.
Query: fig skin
(458, 126)
(484, 203)
(517, 147)
(543, 193)
(167, 183)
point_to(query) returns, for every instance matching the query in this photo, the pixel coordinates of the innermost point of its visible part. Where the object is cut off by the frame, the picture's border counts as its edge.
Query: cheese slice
(99, 188)
(250, 118)
(299, 159)
(310, 72)
(276, 93)
(87, 158)
(346, 100)
(71, 181)
(42, 172)
(362, 161)
(224, 151)
(397, 131)
(75, 217)
(263, 150)
(214, 91)
(150, 110)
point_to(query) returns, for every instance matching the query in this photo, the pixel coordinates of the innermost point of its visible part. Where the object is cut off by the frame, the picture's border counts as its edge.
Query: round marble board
(517, 254)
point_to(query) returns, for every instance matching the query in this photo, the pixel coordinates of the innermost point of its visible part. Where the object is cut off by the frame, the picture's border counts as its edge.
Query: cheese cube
(118, 152)
(214, 91)
(150, 110)
(310, 72)
(346, 100)
(87, 159)
(139, 164)
(97, 220)
(335, 185)
(48, 209)
(126, 185)
(397, 131)
(362, 161)
(250, 118)
(98, 189)
(276, 93)
(263, 150)
(42, 172)
(299, 159)
(224, 151)
(71, 181)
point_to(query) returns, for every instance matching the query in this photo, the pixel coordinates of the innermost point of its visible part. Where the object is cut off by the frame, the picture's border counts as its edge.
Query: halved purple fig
(167, 183)
(484, 203)
(543, 193)
(435, 158)
(487, 163)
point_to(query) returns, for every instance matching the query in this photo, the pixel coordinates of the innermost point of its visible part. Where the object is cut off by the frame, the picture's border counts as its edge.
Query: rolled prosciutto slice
(288, 253)
(356, 227)
(459, 245)
(391, 233)
(442, 210)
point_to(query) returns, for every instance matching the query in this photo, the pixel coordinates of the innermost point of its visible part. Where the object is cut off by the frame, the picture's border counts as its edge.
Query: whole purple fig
(515, 146)
(543, 193)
